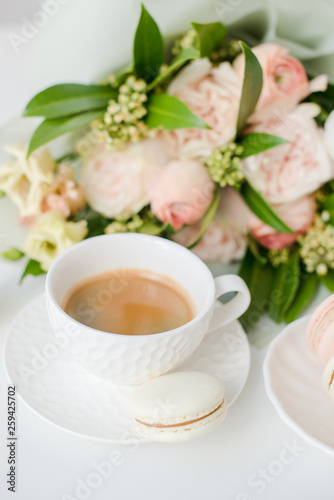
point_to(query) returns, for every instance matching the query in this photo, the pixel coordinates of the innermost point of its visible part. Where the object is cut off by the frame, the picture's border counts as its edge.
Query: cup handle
(236, 306)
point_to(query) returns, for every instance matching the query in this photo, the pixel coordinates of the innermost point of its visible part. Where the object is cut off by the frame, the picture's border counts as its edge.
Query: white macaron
(178, 406)
(328, 378)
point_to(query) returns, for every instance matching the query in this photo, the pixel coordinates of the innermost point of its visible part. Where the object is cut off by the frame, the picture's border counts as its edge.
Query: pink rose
(285, 81)
(117, 183)
(298, 215)
(225, 239)
(182, 193)
(287, 172)
(213, 94)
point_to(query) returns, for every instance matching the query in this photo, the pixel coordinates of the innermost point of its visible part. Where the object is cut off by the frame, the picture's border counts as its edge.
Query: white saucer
(64, 394)
(293, 383)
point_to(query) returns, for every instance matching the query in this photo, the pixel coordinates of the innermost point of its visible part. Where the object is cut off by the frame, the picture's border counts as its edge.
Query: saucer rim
(274, 399)
(135, 440)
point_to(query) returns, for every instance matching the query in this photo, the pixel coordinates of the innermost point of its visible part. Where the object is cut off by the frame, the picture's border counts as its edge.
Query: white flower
(26, 181)
(117, 183)
(51, 236)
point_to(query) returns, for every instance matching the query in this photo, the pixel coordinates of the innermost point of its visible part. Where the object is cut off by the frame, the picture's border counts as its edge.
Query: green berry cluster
(143, 222)
(123, 119)
(187, 40)
(225, 166)
(228, 50)
(125, 225)
(278, 256)
(317, 247)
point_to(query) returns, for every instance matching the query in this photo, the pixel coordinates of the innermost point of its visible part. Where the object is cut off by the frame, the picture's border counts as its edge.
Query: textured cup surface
(126, 359)
(134, 359)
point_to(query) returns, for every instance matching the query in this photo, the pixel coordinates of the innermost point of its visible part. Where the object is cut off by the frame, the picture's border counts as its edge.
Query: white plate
(61, 392)
(293, 383)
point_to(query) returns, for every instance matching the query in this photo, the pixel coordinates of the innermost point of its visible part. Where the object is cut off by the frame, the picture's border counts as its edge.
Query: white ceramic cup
(127, 359)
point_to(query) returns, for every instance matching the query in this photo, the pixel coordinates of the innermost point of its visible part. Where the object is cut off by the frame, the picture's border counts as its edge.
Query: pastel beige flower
(27, 181)
(287, 172)
(117, 183)
(285, 82)
(51, 236)
(225, 239)
(64, 195)
(182, 194)
(213, 94)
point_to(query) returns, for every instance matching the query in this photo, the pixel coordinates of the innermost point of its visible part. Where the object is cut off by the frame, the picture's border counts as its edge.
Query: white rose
(27, 181)
(117, 183)
(51, 236)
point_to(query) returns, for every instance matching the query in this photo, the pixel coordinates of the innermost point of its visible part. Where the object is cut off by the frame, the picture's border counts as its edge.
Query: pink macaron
(320, 331)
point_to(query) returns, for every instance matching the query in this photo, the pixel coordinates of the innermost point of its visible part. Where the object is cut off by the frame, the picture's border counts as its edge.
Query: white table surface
(226, 464)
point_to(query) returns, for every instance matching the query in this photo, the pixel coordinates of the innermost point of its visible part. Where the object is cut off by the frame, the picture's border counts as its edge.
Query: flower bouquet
(223, 148)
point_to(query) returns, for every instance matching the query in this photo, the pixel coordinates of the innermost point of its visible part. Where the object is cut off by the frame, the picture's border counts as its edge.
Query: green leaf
(257, 142)
(183, 57)
(256, 251)
(169, 230)
(325, 99)
(51, 129)
(207, 218)
(306, 289)
(148, 47)
(96, 222)
(328, 280)
(34, 268)
(12, 254)
(2, 194)
(69, 157)
(258, 278)
(209, 36)
(328, 204)
(69, 99)
(170, 113)
(151, 228)
(122, 77)
(251, 88)
(285, 285)
(262, 210)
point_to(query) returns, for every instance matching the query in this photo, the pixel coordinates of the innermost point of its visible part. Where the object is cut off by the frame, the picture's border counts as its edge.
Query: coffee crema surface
(129, 302)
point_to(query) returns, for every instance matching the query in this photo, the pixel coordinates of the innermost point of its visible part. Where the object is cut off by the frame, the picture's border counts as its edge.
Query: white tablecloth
(237, 462)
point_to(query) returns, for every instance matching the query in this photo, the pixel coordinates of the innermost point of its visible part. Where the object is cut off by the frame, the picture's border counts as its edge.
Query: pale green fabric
(306, 27)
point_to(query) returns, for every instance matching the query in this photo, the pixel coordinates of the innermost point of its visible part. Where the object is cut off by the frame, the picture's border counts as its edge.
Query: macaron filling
(331, 380)
(188, 422)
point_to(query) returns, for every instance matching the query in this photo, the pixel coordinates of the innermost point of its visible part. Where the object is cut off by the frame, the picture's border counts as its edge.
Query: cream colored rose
(51, 236)
(27, 181)
(213, 94)
(285, 82)
(290, 171)
(117, 183)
